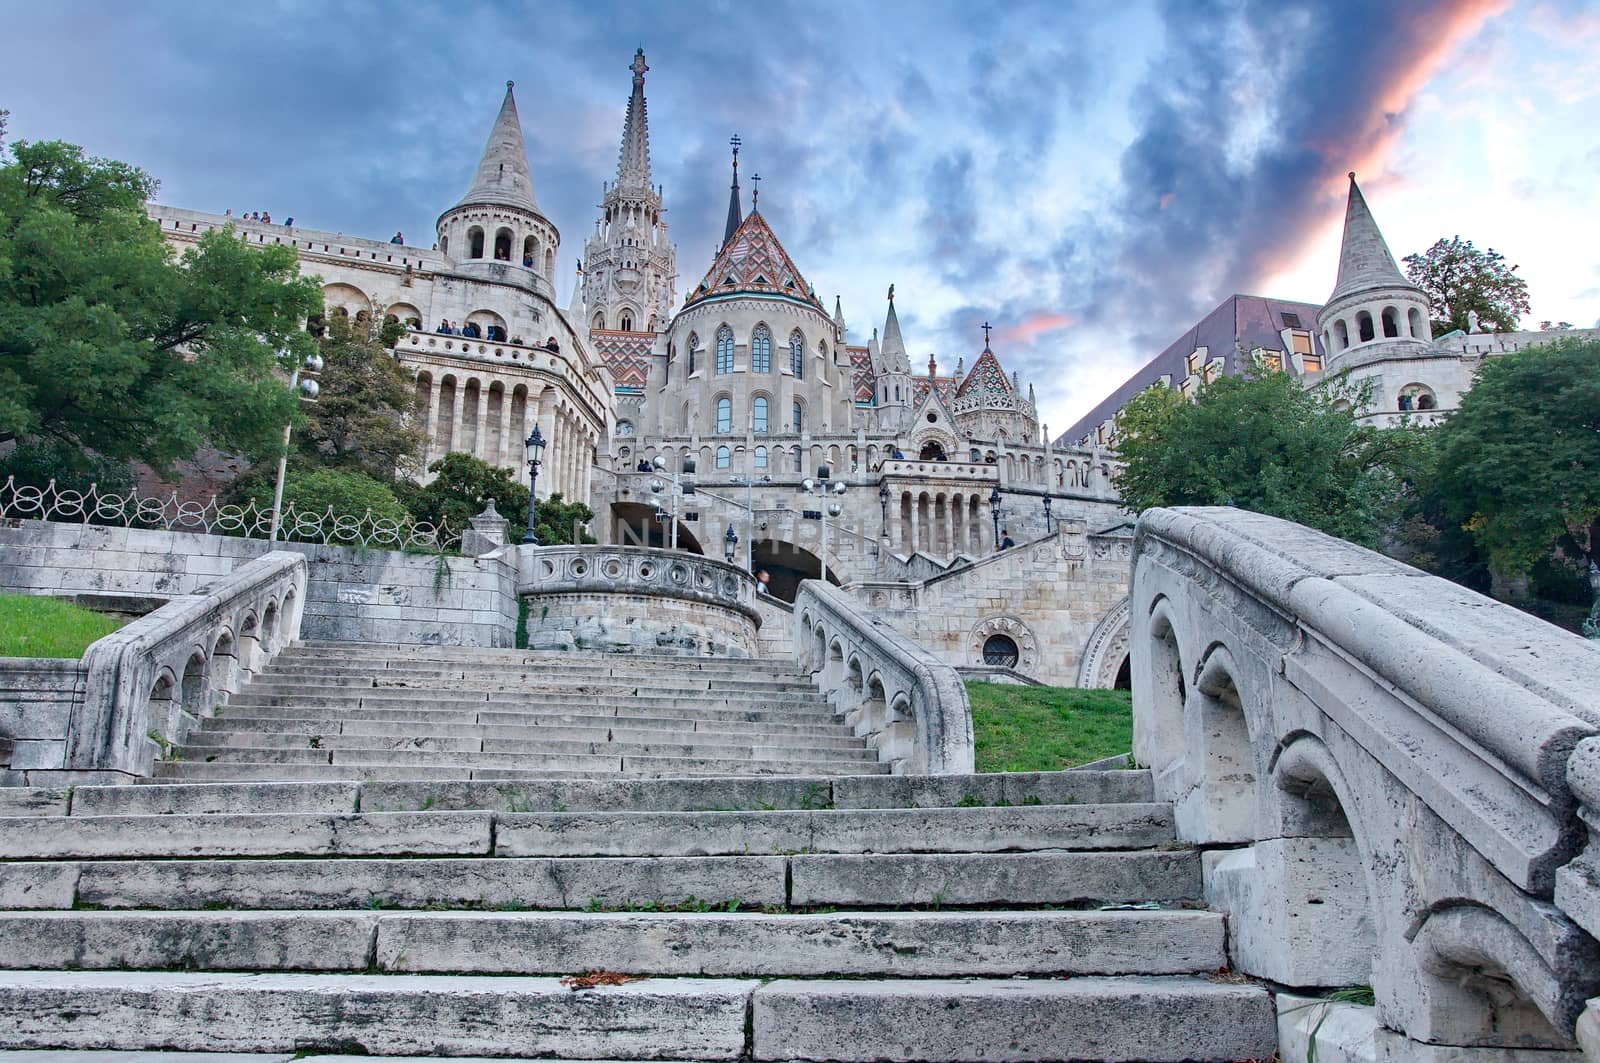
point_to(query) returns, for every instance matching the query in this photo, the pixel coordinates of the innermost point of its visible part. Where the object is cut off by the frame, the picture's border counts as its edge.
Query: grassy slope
(1047, 728)
(44, 627)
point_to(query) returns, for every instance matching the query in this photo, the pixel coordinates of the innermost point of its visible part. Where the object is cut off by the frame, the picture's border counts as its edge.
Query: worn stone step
(400, 653)
(786, 761)
(541, 683)
(752, 676)
(188, 771)
(914, 830)
(973, 879)
(1088, 1018)
(417, 708)
(657, 743)
(379, 1014)
(720, 944)
(1074, 786)
(482, 883)
(593, 729)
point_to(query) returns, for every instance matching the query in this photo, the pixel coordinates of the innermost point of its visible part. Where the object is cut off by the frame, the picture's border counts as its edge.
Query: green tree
(361, 419)
(1458, 279)
(316, 491)
(463, 485)
(1519, 460)
(110, 343)
(1265, 443)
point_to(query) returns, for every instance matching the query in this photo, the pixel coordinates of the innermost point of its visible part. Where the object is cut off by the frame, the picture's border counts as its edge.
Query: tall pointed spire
(633, 162)
(735, 212)
(894, 347)
(503, 178)
(1364, 258)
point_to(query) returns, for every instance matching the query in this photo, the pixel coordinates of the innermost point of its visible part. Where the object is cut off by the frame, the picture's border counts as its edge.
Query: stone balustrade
(562, 364)
(909, 705)
(1391, 770)
(139, 689)
(944, 470)
(621, 599)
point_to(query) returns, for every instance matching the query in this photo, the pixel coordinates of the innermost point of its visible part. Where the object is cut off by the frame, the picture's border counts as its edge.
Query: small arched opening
(1419, 324)
(1222, 807)
(475, 242)
(502, 245)
(786, 564)
(1416, 398)
(1391, 322)
(1364, 330)
(195, 691)
(530, 252)
(932, 450)
(1341, 335)
(1000, 651)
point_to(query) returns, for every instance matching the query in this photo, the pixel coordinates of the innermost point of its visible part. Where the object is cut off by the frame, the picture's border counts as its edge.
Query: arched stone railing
(147, 683)
(624, 599)
(909, 705)
(1383, 765)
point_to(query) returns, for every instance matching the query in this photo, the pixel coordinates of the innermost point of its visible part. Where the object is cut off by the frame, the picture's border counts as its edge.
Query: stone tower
(629, 263)
(892, 368)
(1375, 313)
(496, 232)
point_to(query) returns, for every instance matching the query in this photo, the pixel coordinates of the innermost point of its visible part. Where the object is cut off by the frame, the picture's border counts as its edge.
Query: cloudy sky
(1089, 177)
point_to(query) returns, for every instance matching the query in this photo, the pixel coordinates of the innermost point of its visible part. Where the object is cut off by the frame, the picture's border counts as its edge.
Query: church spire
(633, 162)
(894, 348)
(1364, 258)
(503, 178)
(735, 212)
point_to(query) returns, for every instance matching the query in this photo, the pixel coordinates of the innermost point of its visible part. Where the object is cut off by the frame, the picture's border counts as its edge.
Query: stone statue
(1472, 321)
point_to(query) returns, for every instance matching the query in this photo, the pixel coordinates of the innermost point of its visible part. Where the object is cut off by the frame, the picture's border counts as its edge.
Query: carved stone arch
(1105, 656)
(1011, 627)
(933, 434)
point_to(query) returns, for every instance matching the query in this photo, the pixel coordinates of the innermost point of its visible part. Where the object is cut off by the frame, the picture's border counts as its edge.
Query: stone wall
(1387, 770)
(1052, 597)
(353, 594)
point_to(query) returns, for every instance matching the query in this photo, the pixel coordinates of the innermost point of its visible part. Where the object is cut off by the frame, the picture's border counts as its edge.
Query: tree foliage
(463, 485)
(110, 343)
(319, 490)
(1267, 444)
(1458, 278)
(361, 419)
(1519, 461)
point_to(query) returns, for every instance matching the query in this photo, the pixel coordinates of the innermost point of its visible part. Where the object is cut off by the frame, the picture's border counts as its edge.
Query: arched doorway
(786, 565)
(932, 450)
(635, 524)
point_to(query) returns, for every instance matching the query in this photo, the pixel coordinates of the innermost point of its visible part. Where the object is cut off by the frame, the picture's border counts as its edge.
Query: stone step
(1096, 1017)
(690, 1018)
(791, 762)
(543, 683)
(418, 708)
(185, 772)
(717, 944)
(587, 728)
(753, 676)
(910, 830)
(1090, 1018)
(486, 883)
(390, 654)
(655, 743)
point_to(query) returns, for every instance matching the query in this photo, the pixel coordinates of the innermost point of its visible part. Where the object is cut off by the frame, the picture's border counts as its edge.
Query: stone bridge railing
(140, 689)
(636, 599)
(909, 705)
(1382, 765)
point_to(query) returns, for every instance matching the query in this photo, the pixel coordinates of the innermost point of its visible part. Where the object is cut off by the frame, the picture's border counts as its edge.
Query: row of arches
(1392, 322)
(504, 245)
(759, 352)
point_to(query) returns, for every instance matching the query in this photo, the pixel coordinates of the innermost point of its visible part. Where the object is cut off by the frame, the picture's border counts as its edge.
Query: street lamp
(300, 382)
(680, 487)
(994, 510)
(1048, 528)
(821, 486)
(535, 452)
(883, 504)
(730, 544)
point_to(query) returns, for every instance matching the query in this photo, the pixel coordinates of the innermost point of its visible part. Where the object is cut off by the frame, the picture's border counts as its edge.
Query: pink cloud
(1033, 326)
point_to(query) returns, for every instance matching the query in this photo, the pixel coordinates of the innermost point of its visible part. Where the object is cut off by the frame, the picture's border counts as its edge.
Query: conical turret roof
(503, 178)
(1364, 259)
(752, 261)
(987, 377)
(633, 161)
(894, 354)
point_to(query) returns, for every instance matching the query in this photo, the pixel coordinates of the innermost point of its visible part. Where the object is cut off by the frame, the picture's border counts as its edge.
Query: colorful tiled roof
(986, 376)
(920, 384)
(626, 354)
(753, 262)
(863, 379)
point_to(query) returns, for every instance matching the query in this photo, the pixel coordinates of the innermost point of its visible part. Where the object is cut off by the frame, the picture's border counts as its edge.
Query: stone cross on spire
(755, 191)
(986, 330)
(633, 162)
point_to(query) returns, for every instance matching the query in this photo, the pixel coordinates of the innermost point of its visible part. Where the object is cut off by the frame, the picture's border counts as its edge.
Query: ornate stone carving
(1013, 628)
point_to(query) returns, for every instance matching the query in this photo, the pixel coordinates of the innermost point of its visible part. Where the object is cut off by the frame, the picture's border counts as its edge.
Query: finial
(511, 84)
(1352, 175)
(638, 66)
(735, 142)
(755, 190)
(891, 293)
(933, 367)
(986, 329)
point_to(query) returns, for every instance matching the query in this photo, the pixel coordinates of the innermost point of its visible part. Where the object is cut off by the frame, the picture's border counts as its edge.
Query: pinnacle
(1364, 258)
(503, 178)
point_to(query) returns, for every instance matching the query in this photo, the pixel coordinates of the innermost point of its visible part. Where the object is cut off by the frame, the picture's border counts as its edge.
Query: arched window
(758, 410)
(1419, 325)
(761, 350)
(761, 457)
(1341, 335)
(1000, 651)
(502, 245)
(627, 322)
(724, 457)
(1416, 397)
(724, 414)
(530, 252)
(1364, 331)
(724, 349)
(797, 354)
(475, 242)
(1391, 322)
(599, 320)
(624, 428)
(799, 415)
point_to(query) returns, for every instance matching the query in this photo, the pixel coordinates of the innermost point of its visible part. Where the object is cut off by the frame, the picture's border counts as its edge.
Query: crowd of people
(262, 216)
(494, 333)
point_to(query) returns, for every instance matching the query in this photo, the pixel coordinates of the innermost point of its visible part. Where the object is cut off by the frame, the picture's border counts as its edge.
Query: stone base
(1398, 1048)
(1297, 910)
(638, 623)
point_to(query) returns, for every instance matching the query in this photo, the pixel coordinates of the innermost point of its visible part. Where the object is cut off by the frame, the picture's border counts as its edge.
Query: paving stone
(997, 878)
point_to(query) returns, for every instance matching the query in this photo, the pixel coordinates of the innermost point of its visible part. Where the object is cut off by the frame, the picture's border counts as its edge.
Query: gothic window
(761, 350)
(758, 409)
(761, 457)
(799, 414)
(725, 349)
(797, 354)
(724, 414)
(1000, 651)
(627, 322)
(599, 320)
(724, 457)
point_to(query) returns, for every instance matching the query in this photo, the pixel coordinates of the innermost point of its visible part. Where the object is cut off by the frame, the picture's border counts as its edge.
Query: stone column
(506, 440)
(457, 398)
(432, 422)
(481, 443)
(916, 524)
(545, 417)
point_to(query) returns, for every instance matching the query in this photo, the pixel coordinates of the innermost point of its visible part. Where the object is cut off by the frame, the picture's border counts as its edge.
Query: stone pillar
(480, 442)
(916, 521)
(545, 417)
(457, 397)
(506, 440)
(432, 443)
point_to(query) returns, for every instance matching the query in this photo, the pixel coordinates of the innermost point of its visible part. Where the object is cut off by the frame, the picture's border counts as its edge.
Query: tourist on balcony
(527, 261)
(266, 218)
(471, 330)
(551, 344)
(444, 327)
(397, 239)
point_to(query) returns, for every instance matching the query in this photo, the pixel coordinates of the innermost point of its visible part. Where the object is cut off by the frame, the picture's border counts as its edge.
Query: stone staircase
(762, 917)
(363, 711)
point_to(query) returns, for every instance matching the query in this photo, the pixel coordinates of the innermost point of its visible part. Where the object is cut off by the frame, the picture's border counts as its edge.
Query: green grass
(44, 627)
(1019, 728)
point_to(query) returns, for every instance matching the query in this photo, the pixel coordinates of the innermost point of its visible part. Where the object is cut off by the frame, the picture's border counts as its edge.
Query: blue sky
(1089, 177)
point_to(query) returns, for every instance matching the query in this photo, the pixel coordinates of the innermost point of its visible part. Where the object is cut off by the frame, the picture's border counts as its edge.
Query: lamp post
(1048, 527)
(994, 511)
(821, 486)
(730, 544)
(307, 389)
(883, 504)
(680, 487)
(535, 451)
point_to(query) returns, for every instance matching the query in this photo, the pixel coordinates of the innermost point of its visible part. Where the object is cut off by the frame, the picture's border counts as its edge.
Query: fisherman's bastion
(705, 788)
